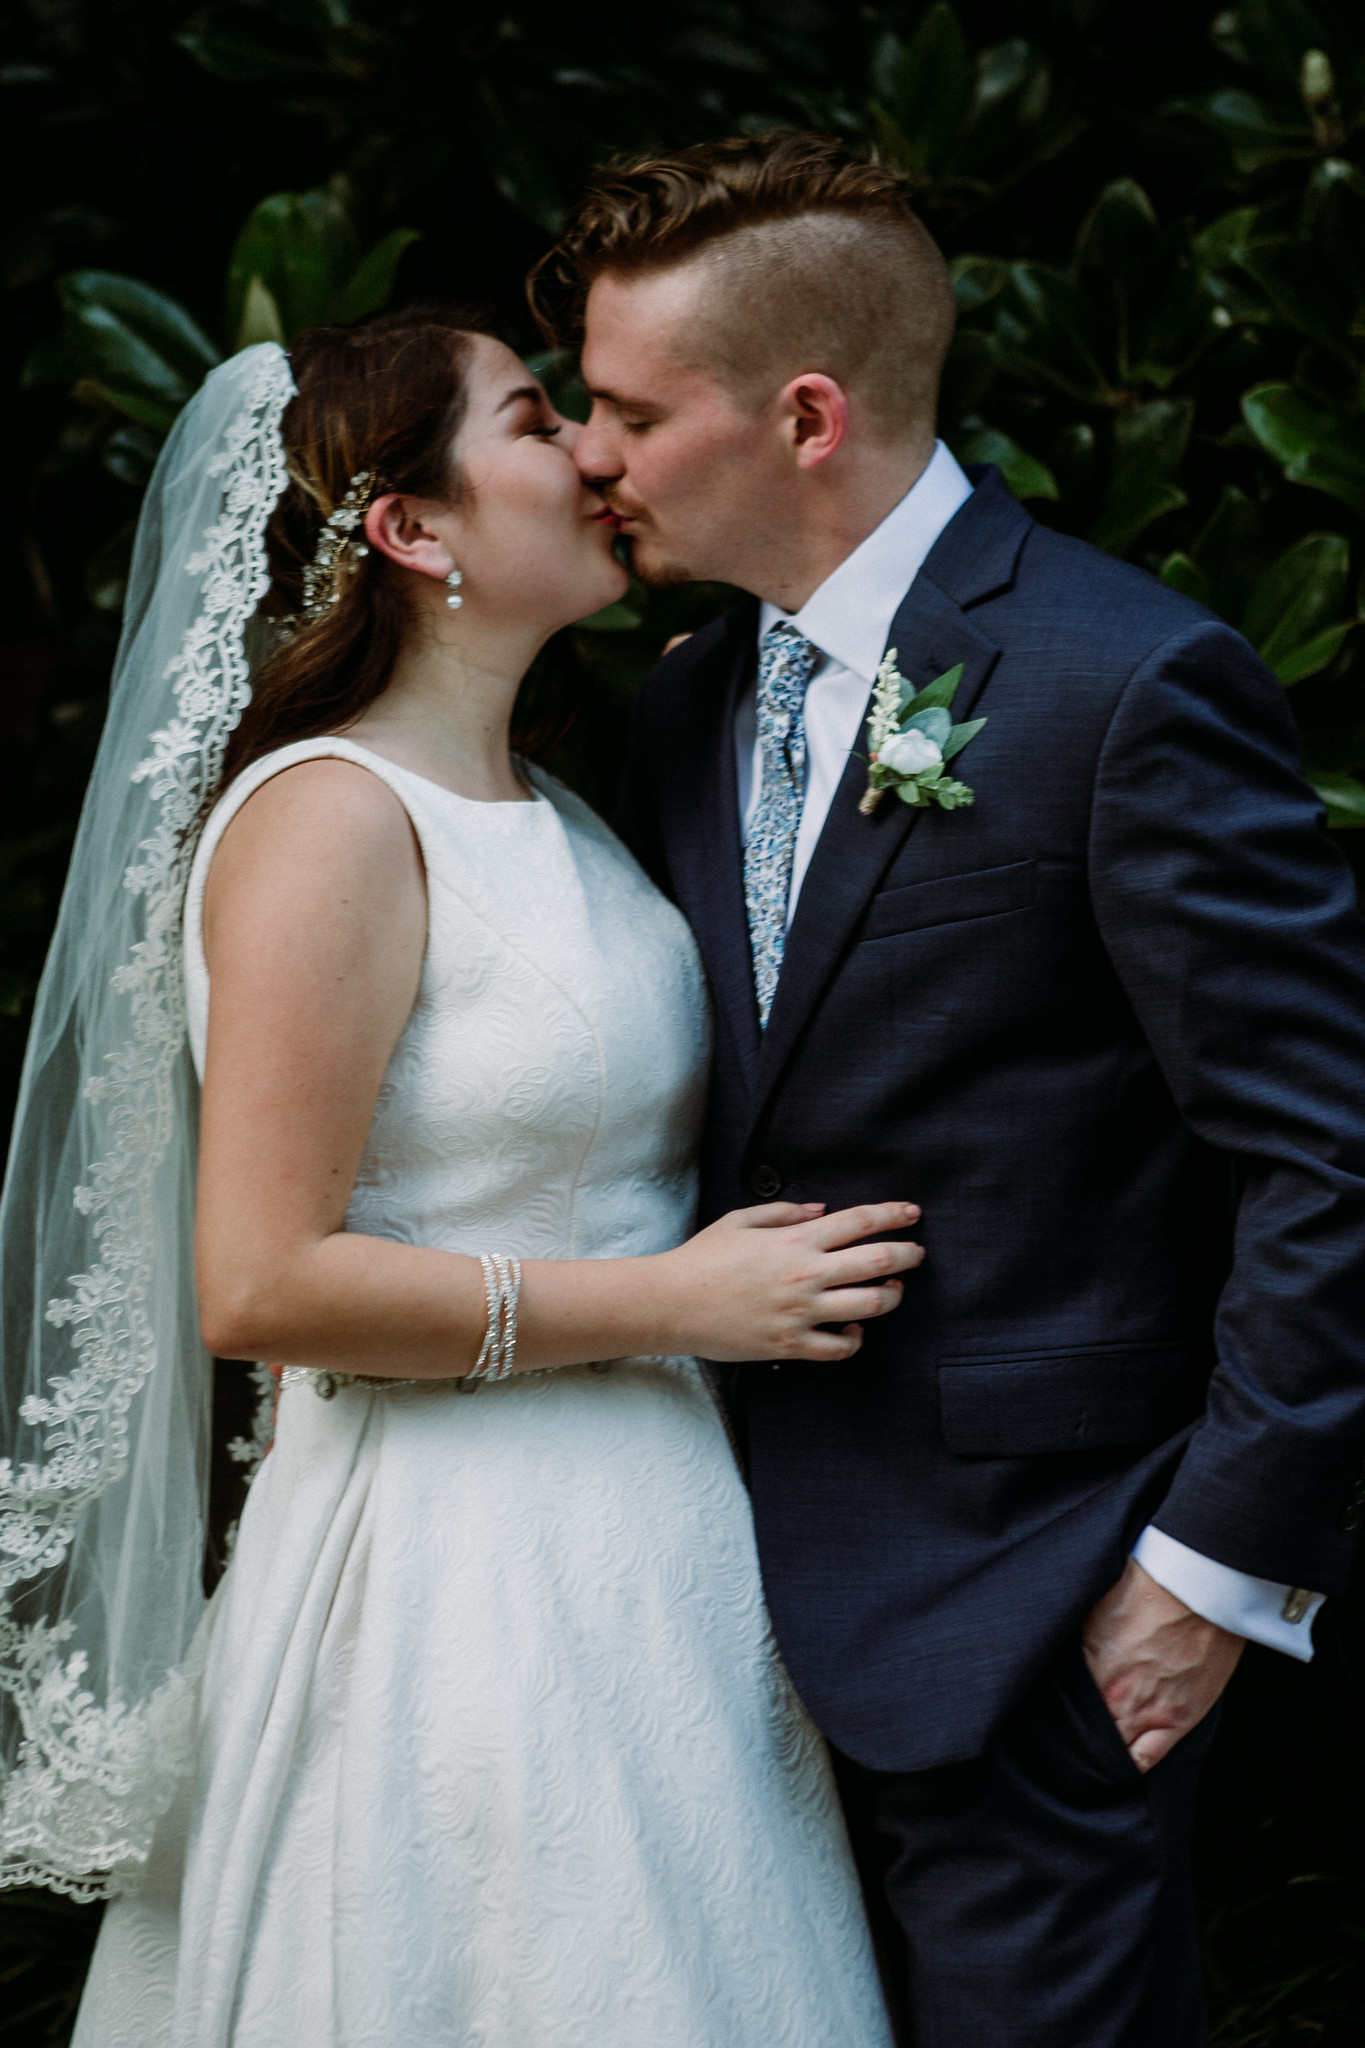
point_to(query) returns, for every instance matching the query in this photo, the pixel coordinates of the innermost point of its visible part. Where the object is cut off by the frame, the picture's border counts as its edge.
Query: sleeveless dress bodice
(495, 1749)
(545, 1095)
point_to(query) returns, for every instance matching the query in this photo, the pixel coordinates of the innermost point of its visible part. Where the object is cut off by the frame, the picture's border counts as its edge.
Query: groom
(1107, 1024)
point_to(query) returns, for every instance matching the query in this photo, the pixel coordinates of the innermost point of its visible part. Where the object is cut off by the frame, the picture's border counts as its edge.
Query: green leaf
(941, 691)
(160, 321)
(368, 288)
(1313, 655)
(927, 85)
(1300, 288)
(147, 412)
(1149, 447)
(1229, 552)
(518, 169)
(124, 345)
(960, 735)
(1025, 475)
(934, 722)
(977, 280)
(1179, 572)
(260, 319)
(106, 574)
(1256, 136)
(613, 618)
(1221, 243)
(1057, 343)
(302, 247)
(1298, 596)
(1344, 797)
(1322, 449)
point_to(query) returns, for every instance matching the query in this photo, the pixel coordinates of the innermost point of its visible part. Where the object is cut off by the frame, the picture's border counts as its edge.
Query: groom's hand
(1159, 1666)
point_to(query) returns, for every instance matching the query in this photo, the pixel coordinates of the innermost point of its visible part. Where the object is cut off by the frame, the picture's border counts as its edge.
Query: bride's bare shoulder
(318, 832)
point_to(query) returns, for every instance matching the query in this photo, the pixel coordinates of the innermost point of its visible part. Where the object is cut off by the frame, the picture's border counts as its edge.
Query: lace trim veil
(104, 1397)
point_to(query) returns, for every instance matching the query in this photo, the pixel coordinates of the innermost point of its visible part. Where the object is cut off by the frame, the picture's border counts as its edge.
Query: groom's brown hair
(813, 261)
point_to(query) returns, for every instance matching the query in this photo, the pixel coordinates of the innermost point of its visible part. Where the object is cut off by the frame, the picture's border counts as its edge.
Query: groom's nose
(597, 450)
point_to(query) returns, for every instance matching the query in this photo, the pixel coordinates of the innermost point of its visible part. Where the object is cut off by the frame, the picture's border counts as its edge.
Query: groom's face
(693, 474)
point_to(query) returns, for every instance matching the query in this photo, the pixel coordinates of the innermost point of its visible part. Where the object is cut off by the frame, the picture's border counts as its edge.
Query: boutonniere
(911, 738)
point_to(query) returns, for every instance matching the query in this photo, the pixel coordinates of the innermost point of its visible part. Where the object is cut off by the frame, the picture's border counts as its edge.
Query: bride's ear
(394, 525)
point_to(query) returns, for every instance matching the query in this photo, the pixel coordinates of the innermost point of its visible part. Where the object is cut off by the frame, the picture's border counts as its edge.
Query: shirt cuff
(1255, 1608)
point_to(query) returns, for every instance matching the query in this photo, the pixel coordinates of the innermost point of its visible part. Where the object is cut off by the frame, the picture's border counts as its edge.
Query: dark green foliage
(1156, 219)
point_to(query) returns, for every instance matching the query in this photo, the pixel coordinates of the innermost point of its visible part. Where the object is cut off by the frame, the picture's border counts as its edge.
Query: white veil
(105, 1390)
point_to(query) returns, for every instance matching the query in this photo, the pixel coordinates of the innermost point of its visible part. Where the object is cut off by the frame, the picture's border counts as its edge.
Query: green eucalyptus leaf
(934, 722)
(940, 692)
(1344, 797)
(370, 283)
(1317, 447)
(911, 793)
(1025, 475)
(960, 736)
(1298, 597)
(1179, 572)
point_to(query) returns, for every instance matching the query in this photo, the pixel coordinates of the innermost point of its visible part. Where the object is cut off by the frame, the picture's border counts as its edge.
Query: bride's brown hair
(387, 395)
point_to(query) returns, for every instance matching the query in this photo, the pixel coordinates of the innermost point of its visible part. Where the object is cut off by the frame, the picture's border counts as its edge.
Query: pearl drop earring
(453, 581)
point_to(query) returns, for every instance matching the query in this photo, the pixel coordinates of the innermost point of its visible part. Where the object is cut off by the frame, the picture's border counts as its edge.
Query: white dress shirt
(848, 619)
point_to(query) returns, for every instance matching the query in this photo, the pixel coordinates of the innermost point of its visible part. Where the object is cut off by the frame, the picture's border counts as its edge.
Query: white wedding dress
(495, 1749)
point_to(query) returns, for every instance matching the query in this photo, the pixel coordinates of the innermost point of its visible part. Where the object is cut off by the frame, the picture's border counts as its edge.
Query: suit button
(766, 1182)
(1351, 1518)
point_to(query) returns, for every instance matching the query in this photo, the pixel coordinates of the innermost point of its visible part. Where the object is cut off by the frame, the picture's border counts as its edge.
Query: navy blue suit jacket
(1108, 1027)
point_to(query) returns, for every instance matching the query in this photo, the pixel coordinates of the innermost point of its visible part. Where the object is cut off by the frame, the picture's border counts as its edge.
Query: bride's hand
(760, 1282)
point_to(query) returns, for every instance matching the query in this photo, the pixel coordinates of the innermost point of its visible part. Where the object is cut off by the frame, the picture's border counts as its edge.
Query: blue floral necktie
(785, 662)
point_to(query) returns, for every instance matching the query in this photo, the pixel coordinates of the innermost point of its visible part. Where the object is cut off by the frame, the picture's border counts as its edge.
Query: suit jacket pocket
(952, 899)
(1078, 1400)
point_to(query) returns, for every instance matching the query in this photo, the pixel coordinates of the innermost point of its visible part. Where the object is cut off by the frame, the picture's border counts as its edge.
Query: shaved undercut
(808, 260)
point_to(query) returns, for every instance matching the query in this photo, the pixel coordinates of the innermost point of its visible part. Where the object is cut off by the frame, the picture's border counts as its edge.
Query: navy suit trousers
(1040, 1895)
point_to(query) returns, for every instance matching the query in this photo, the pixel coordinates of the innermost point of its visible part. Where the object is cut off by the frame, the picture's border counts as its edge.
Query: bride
(483, 1738)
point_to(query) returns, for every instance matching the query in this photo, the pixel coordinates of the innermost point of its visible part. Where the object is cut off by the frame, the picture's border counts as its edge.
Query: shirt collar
(850, 615)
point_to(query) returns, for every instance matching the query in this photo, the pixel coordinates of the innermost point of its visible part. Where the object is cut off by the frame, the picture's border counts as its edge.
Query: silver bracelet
(502, 1292)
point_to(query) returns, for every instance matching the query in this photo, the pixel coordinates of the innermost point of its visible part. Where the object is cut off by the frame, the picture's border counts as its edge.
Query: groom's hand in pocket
(1159, 1666)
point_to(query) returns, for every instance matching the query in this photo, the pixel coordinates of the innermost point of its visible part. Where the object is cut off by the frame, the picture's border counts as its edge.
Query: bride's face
(532, 541)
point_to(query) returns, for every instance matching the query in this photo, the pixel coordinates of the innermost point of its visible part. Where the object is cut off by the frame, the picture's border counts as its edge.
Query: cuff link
(1297, 1602)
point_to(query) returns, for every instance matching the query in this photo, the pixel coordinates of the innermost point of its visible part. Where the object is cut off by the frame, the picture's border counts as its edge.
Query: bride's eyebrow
(531, 391)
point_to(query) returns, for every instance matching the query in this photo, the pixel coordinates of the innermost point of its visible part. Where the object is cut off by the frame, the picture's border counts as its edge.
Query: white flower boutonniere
(911, 738)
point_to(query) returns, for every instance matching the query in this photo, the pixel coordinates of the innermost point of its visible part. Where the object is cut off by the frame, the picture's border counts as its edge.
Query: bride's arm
(315, 922)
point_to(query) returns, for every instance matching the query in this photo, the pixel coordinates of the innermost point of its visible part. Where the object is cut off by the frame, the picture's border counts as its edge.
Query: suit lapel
(973, 558)
(930, 635)
(700, 799)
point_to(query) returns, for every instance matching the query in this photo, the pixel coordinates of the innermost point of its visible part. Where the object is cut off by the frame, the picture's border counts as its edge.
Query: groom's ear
(814, 413)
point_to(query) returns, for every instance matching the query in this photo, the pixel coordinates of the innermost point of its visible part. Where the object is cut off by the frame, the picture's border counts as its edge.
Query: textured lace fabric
(494, 1746)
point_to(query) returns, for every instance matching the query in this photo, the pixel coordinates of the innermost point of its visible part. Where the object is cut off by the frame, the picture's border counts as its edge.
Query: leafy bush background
(1157, 224)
